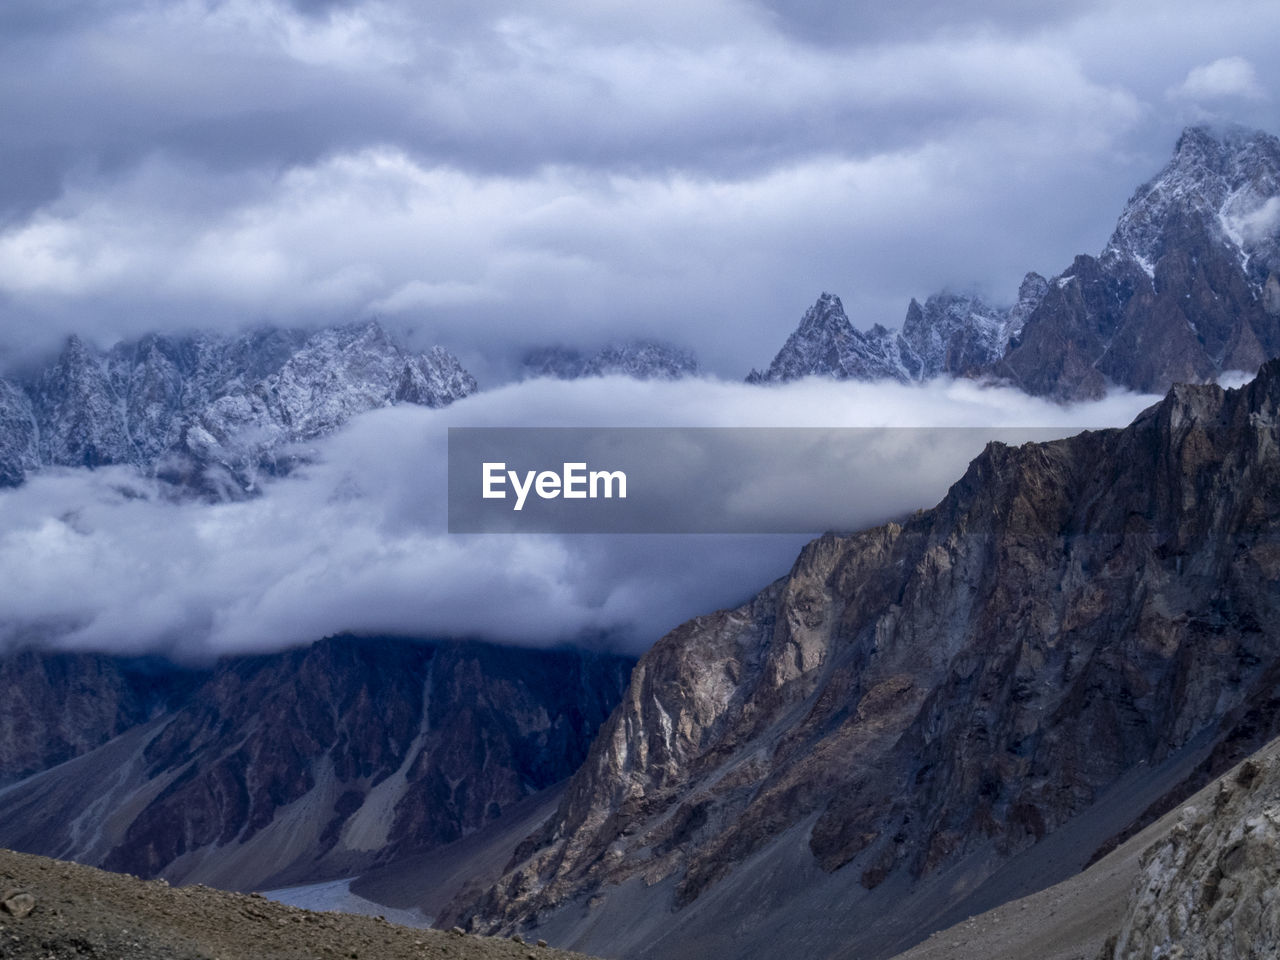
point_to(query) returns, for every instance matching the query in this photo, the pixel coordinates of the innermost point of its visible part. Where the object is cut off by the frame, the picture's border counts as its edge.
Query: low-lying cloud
(356, 541)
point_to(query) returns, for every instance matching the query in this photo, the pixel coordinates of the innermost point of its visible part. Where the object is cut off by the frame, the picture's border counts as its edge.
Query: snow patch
(335, 896)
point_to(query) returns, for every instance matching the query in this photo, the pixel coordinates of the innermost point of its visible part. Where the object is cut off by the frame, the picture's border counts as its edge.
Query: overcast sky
(494, 174)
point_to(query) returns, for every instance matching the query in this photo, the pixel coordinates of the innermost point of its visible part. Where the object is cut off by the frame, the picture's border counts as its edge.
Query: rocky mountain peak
(827, 343)
(1225, 183)
(954, 334)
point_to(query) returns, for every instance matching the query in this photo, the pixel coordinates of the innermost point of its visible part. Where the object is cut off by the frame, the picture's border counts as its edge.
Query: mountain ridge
(925, 700)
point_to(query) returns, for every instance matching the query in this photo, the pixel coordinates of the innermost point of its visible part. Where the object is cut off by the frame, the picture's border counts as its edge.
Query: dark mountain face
(57, 706)
(915, 711)
(320, 759)
(1187, 288)
(211, 413)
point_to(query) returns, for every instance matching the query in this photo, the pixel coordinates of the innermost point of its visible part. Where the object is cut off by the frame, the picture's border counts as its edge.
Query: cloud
(102, 559)
(1225, 77)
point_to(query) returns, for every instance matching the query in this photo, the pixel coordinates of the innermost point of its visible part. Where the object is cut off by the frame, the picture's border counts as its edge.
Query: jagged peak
(75, 347)
(1033, 285)
(826, 313)
(1218, 139)
(1221, 175)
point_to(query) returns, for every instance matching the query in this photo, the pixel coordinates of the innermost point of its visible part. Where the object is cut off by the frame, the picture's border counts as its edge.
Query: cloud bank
(356, 542)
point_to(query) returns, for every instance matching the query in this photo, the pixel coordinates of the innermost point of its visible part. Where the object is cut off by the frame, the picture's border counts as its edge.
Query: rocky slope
(211, 412)
(1208, 888)
(1061, 641)
(641, 359)
(78, 913)
(1189, 885)
(58, 706)
(313, 762)
(1187, 288)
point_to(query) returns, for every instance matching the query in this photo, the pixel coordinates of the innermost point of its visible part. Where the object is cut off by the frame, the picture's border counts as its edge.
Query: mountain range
(212, 412)
(1187, 288)
(918, 723)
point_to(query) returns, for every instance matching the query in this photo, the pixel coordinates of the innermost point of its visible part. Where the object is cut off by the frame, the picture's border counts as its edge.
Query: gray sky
(493, 175)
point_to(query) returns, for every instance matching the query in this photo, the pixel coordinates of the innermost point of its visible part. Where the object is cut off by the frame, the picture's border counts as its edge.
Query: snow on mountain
(826, 343)
(956, 335)
(208, 411)
(1186, 289)
(950, 335)
(19, 435)
(1228, 181)
(640, 359)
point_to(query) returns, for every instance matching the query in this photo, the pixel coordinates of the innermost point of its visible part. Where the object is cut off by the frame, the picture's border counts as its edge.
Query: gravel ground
(85, 914)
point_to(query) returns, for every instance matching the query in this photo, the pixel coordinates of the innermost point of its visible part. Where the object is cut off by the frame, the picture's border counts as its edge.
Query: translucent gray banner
(704, 479)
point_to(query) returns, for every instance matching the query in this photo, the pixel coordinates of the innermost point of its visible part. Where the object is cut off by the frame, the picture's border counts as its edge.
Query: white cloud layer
(356, 542)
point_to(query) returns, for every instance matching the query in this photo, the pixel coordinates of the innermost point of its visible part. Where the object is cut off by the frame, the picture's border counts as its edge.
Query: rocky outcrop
(337, 755)
(919, 703)
(208, 412)
(1208, 888)
(639, 359)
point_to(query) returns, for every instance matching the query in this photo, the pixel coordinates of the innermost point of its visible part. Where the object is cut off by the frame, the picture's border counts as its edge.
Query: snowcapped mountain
(1188, 287)
(957, 335)
(209, 411)
(951, 334)
(827, 343)
(1225, 184)
(641, 359)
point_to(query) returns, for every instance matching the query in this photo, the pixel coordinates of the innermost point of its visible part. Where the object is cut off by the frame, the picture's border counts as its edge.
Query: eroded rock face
(57, 706)
(1211, 888)
(212, 413)
(957, 686)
